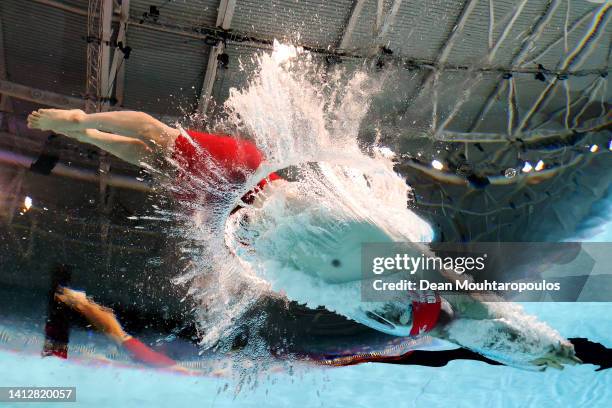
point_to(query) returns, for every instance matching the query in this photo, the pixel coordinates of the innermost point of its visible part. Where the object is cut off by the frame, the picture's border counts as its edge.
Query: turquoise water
(460, 384)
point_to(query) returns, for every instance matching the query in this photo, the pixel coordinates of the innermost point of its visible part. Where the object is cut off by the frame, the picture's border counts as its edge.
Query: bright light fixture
(436, 164)
(527, 167)
(27, 203)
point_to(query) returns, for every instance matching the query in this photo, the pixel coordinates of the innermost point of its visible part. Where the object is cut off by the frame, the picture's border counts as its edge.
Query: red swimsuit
(236, 158)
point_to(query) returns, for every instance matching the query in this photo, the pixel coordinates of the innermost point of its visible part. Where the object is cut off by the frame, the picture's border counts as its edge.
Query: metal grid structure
(93, 83)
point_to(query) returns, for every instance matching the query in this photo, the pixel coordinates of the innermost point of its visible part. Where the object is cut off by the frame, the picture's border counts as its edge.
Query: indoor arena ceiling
(44, 41)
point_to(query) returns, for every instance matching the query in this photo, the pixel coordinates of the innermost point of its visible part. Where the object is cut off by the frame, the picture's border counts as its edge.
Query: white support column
(99, 87)
(209, 77)
(117, 71)
(380, 11)
(350, 25)
(106, 20)
(224, 20)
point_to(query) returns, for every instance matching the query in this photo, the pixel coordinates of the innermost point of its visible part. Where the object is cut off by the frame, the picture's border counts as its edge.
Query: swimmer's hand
(75, 299)
(557, 357)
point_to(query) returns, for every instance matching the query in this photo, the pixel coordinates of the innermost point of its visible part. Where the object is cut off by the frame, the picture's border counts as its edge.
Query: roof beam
(566, 32)
(205, 33)
(39, 96)
(384, 21)
(351, 23)
(518, 58)
(445, 51)
(16, 159)
(225, 13)
(515, 15)
(55, 100)
(224, 20)
(433, 76)
(597, 27)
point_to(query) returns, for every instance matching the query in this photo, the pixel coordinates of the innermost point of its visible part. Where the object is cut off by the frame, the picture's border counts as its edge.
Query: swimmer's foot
(57, 120)
(101, 317)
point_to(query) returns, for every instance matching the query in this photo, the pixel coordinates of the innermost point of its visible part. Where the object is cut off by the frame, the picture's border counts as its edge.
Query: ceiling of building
(45, 47)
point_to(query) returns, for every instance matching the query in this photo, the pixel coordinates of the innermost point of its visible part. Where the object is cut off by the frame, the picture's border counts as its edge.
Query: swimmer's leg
(128, 149)
(129, 123)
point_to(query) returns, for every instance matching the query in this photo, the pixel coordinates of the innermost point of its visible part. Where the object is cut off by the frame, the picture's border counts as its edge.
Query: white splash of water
(301, 238)
(510, 336)
(341, 198)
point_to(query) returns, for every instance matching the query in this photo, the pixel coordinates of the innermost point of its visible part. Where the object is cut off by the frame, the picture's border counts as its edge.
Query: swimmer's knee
(154, 131)
(159, 136)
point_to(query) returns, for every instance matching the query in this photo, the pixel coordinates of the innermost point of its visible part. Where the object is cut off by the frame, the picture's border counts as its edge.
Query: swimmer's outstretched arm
(138, 125)
(104, 319)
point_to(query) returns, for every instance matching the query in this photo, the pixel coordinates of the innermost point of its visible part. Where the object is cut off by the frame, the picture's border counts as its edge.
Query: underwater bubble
(510, 172)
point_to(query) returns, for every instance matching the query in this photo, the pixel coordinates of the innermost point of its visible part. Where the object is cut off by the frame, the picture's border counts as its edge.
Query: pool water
(459, 384)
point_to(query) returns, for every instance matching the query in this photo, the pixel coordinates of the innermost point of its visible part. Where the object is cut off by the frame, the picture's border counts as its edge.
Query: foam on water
(293, 237)
(304, 118)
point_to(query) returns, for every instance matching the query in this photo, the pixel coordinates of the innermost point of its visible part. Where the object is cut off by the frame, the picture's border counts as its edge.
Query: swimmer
(137, 138)
(104, 320)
